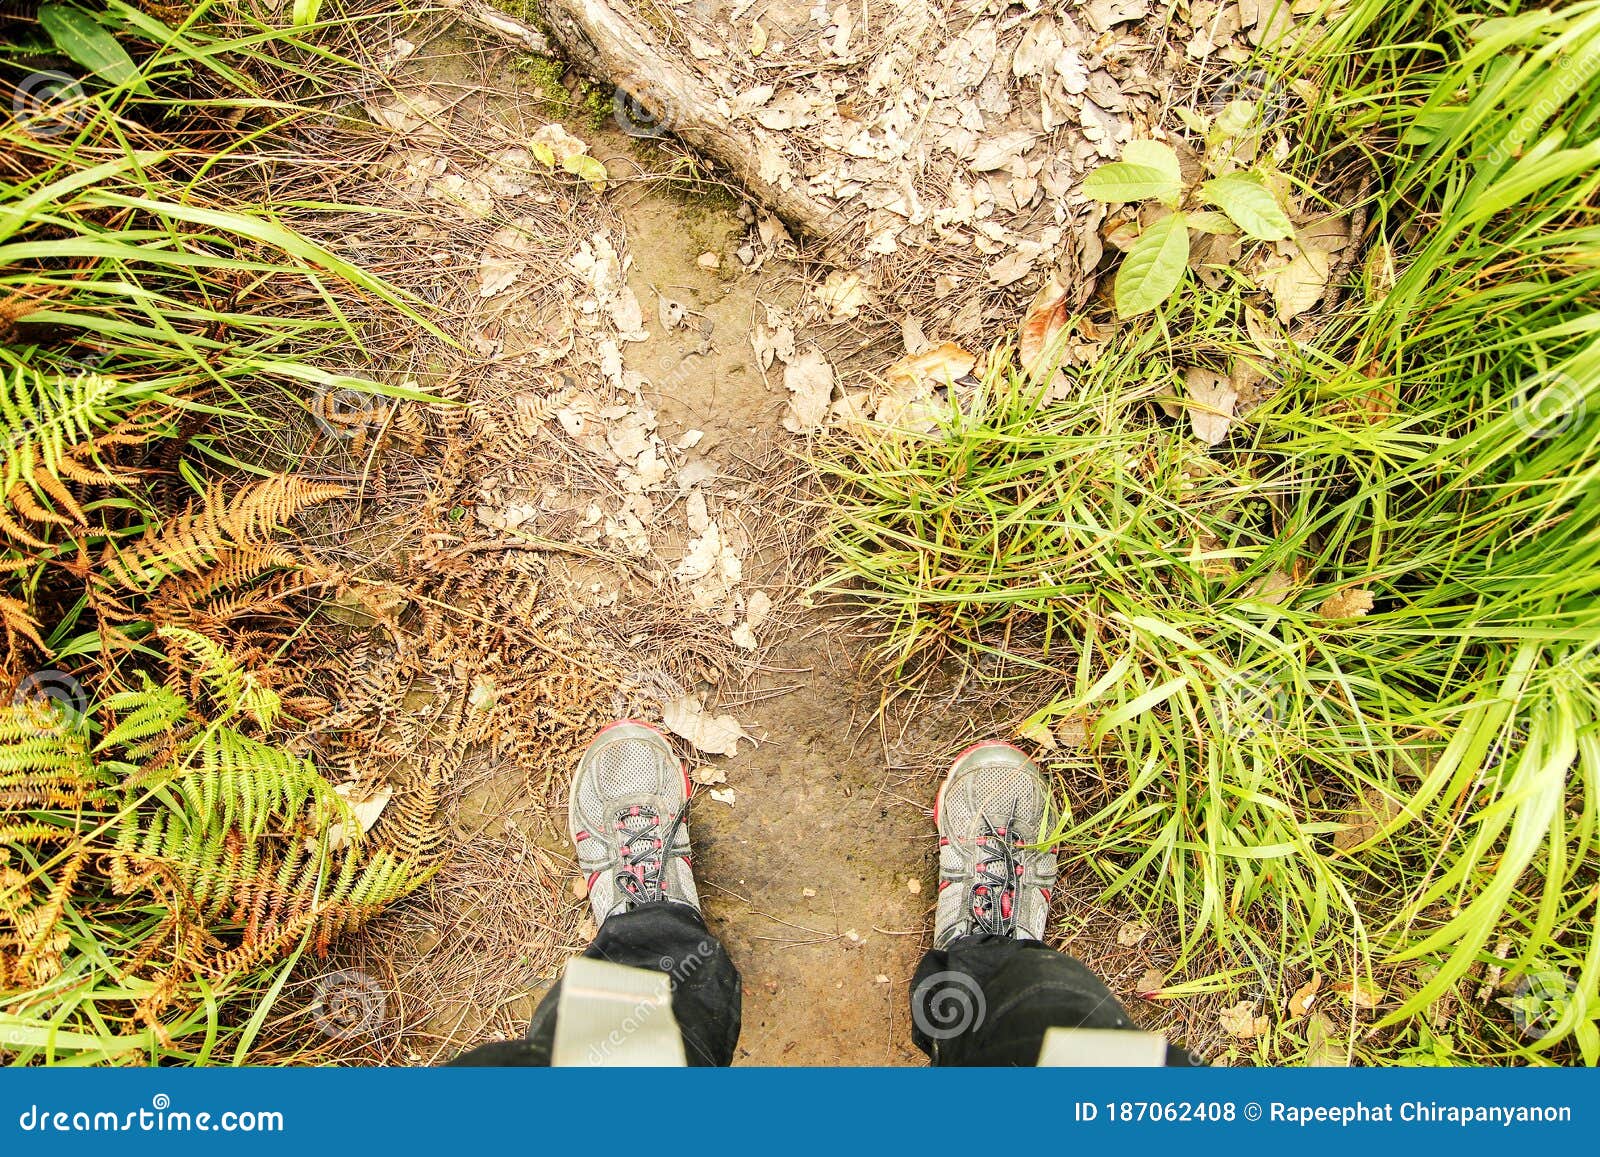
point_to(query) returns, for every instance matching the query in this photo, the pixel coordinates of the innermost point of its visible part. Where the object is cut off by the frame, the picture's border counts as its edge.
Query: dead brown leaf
(1300, 1002)
(942, 364)
(1046, 316)
(1211, 399)
(1240, 1020)
(1365, 819)
(1361, 993)
(1351, 604)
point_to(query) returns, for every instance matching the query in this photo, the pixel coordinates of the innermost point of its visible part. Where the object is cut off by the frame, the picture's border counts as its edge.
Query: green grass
(1413, 790)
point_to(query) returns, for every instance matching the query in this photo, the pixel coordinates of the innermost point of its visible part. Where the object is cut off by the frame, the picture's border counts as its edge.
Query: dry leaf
(1360, 993)
(1150, 983)
(502, 261)
(558, 143)
(1039, 733)
(1297, 285)
(758, 39)
(1365, 819)
(758, 609)
(1133, 932)
(1323, 1050)
(1351, 604)
(1045, 318)
(1300, 1002)
(366, 813)
(942, 364)
(714, 735)
(723, 796)
(1211, 399)
(809, 380)
(419, 118)
(708, 776)
(842, 293)
(1241, 1021)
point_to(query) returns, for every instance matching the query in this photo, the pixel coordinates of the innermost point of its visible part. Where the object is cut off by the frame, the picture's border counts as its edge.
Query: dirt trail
(805, 876)
(807, 880)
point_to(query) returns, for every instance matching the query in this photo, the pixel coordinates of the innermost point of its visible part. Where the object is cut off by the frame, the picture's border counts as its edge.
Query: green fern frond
(233, 688)
(46, 414)
(140, 715)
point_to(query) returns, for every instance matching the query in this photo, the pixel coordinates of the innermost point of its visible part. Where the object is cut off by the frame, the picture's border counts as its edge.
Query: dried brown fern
(207, 531)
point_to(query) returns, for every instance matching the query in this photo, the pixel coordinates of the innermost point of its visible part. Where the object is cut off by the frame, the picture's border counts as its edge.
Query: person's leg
(989, 1000)
(629, 799)
(990, 988)
(670, 938)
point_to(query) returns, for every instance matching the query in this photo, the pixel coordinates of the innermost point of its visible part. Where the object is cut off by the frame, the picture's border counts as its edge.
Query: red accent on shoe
(580, 837)
(943, 884)
(1047, 894)
(1005, 905)
(593, 876)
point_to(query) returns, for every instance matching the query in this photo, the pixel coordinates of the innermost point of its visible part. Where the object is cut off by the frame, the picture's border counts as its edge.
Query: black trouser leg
(667, 937)
(988, 1000)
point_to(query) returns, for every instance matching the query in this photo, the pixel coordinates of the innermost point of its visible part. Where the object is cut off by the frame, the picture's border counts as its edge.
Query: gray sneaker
(992, 808)
(629, 800)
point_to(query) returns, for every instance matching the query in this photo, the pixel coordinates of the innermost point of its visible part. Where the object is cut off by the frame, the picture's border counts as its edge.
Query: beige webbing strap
(611, 1014)
(1111, 1048)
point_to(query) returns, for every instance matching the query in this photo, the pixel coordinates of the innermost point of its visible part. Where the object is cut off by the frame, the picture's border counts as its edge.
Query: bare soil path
(805, 875)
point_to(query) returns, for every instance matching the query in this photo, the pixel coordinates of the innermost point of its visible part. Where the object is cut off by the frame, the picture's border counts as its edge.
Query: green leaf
(1154, 155)
(1234, 118)
(1146, 174)
(1208, 222)
(305, 12)
(543, 153)
(591, 169)
(1153, 267)
(81, 37)
(1251, 205)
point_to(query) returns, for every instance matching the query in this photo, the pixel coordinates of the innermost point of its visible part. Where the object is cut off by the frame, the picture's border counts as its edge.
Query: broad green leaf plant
(1149, 171)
